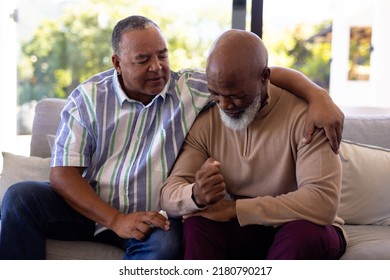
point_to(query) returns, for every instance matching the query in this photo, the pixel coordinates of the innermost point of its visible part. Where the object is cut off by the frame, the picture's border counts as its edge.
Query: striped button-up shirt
(127, 148)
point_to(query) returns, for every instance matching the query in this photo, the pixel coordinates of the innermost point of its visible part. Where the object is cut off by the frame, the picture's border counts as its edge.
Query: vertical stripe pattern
(127, 148)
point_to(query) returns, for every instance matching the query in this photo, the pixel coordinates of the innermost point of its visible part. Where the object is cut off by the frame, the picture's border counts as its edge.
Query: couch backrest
(367, 125)
(364, 125)
(46, 120)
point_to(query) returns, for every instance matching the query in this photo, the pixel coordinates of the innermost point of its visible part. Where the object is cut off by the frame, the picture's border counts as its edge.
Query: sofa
(365, 184)
(365, 193)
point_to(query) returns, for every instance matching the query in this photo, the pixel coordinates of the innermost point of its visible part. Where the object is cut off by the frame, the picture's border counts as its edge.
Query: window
(62, 43)
(359, 53)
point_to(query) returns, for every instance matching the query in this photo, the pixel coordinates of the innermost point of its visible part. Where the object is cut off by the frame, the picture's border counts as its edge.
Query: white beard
(246, 117)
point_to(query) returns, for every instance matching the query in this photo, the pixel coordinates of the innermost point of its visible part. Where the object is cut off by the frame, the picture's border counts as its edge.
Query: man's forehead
(150, 34)
(218, 83)
(226, 75)
(149, 52)
(138, 42)
(226, 84)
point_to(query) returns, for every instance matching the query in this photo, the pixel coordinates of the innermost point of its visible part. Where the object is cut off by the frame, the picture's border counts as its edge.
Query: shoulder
(189, 86)
(287, 101)
(95, 89)
(100, 77)
(191, 73)
(191, 78)
(289, 110)
(208, 116)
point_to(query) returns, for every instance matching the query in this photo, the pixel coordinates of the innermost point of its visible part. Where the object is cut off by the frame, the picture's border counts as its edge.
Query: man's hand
(323, 113)
(222, 211)
(209, 184)
(138, 225)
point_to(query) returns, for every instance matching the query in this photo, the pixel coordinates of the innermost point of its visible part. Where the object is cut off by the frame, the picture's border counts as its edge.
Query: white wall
(380, 59)
(8, 51)
(375, 92)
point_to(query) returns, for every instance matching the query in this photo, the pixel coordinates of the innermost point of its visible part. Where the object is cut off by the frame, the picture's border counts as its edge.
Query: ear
(116, 63)
(265, 75)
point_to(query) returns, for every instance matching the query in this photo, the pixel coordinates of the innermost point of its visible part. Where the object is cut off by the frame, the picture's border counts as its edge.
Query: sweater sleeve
(176, 193)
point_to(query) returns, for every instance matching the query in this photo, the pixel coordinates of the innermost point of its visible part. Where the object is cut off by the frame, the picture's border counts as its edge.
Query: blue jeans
(32, 211)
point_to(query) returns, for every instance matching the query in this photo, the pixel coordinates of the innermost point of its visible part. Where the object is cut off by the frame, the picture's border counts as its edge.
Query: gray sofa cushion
(46, 120)
(367, 242)
(81, 250)
(369, 126)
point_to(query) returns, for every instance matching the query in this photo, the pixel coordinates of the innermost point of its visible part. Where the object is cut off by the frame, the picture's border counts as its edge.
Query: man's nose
(155, 65)
(225, 103)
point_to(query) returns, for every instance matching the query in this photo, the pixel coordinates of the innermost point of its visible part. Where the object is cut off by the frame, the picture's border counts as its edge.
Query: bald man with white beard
(245, 184)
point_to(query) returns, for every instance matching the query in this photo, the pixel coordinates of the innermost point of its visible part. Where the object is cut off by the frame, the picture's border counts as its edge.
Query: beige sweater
(280, 178)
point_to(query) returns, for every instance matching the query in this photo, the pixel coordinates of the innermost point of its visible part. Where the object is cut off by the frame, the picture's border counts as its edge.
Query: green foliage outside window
(305, 48)
(67, 50)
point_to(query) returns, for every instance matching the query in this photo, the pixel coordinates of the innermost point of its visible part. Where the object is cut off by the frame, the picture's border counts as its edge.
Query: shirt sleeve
(73, 141)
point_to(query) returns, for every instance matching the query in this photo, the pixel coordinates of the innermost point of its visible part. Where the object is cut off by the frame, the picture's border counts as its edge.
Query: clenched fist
(209, 185)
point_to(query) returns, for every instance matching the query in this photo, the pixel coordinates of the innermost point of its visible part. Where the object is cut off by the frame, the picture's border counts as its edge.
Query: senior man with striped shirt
(119, 135)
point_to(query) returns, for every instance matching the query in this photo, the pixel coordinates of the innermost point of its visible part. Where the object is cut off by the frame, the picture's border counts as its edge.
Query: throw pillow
(365, 188)
(18, 168)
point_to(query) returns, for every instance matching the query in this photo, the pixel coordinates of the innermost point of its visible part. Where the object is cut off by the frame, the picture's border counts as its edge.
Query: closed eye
(238, 96)
(141, 59)
(163, 53)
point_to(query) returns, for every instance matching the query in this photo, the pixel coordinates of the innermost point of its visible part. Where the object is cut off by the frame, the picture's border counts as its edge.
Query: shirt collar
(122, 97)
(266, 105)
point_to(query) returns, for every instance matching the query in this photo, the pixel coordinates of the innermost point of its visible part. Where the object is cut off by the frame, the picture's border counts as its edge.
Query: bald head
(237, 76)
(238, 51)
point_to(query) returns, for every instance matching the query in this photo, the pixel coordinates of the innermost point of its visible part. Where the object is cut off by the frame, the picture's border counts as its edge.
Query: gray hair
(130, 23)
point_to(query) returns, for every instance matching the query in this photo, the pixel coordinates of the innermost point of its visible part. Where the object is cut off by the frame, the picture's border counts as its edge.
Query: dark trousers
(205, 239)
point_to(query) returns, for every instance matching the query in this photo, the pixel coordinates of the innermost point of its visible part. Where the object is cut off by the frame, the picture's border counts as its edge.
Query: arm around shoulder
(323, 112)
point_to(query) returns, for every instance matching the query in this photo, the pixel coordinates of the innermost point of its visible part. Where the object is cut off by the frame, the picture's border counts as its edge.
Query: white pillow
(365, 192)
(21, 168)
